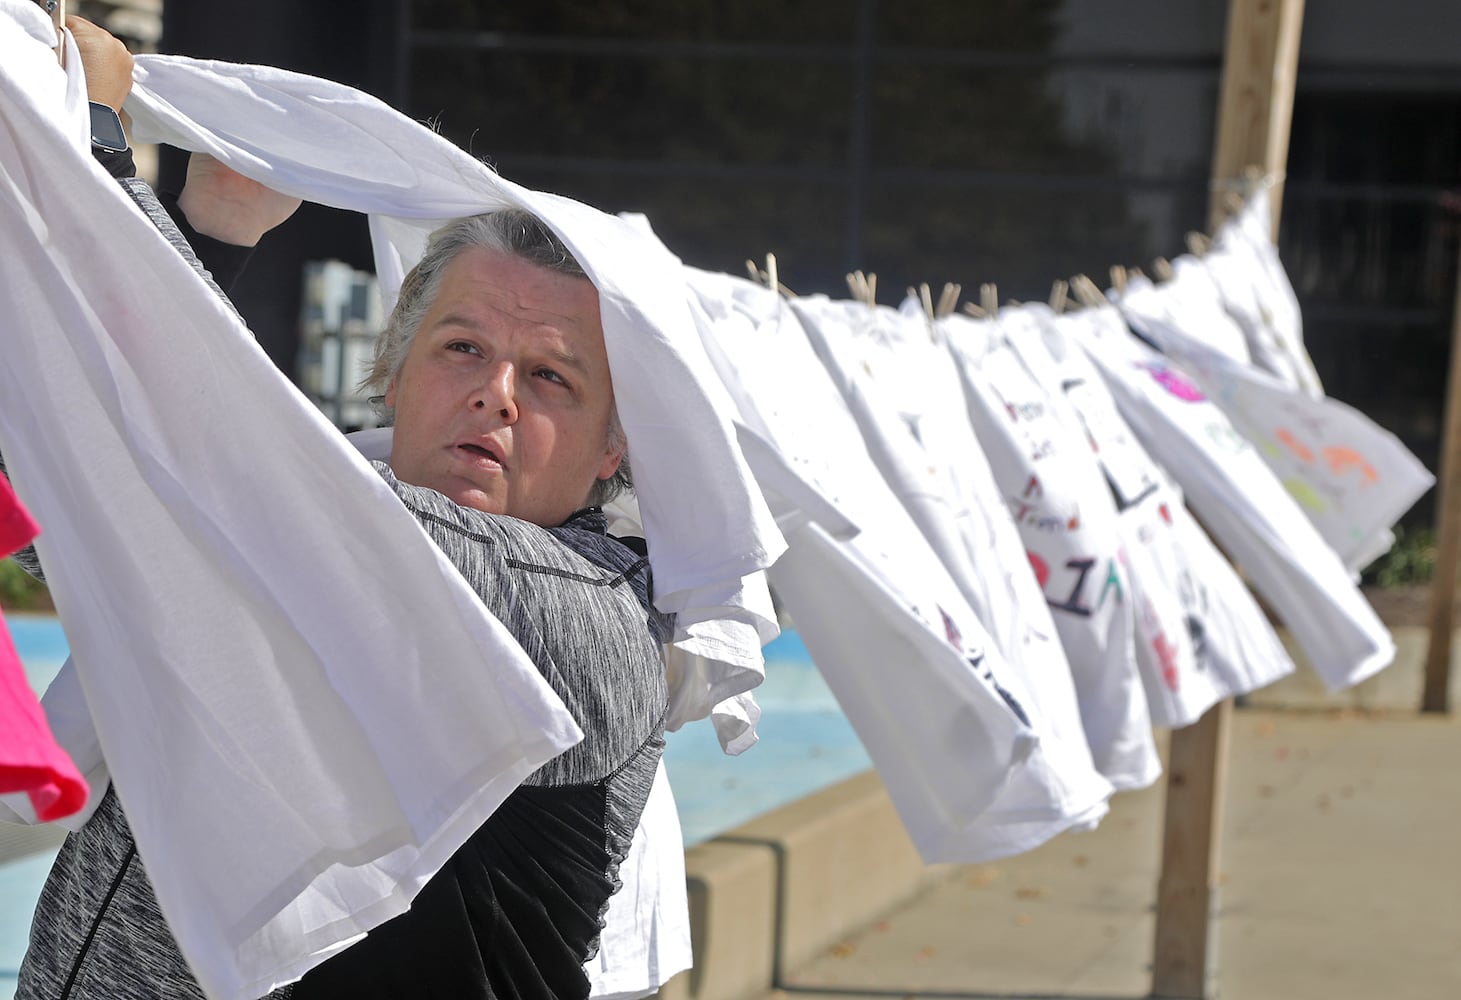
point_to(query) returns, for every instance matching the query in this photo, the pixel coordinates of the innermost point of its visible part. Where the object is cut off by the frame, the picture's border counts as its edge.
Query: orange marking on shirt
(1293, 444)
(1341, 460)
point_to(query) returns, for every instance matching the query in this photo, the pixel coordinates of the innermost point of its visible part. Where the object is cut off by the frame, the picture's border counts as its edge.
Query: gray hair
(512, 231)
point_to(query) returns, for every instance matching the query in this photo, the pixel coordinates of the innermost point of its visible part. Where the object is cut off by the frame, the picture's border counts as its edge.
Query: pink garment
(30, 760)
(16, 526)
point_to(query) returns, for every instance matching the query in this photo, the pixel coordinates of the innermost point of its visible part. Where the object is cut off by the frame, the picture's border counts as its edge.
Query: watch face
(106, 129)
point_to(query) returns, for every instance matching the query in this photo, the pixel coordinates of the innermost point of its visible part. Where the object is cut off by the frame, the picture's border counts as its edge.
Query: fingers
(106, 61)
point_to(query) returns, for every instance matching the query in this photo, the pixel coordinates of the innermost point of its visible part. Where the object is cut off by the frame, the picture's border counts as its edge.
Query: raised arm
(217, 201)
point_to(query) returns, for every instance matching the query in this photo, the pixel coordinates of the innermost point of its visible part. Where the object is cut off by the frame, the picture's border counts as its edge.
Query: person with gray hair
(495, 378)
(495, 375)
(511, 231)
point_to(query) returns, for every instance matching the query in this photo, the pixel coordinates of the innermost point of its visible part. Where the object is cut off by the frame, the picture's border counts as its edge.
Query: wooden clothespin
(1162, 268)
(948, 300)
(1198, 244)
(922, 295)
(989, 299)
(1086, 291)
(1118, 279)
(864, 288)
(975, 311)
(925, 299)
(768, 276)
(1059, 296)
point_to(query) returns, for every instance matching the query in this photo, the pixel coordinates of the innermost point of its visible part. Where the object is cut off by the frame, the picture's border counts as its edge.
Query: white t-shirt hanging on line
(1190, 301)
(1238, 273)
(908, 406)
(1248, 234)
(1201, 636)
(1241, 503)
(933, 703)
(1067, 520)
(1352, 478)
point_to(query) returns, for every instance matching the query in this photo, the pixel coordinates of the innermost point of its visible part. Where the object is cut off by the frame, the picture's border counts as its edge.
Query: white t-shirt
(953, 731)
(908, 405)
(1063, 510)
(1240, 502)
(1279, 326)
(1352, 478)
(1201, 636)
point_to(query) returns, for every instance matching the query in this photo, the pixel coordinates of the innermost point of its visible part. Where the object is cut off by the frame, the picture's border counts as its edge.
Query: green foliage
(18, 590)
(1411, 560)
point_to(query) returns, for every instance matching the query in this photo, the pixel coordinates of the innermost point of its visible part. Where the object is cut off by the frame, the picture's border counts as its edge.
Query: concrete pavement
(1339, 879)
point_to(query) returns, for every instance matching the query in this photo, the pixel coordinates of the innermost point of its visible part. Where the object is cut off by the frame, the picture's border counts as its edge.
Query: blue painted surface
(40, 642)
(806, 744)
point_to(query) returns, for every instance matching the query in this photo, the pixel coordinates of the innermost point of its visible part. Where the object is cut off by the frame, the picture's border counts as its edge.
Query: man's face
(504, 400)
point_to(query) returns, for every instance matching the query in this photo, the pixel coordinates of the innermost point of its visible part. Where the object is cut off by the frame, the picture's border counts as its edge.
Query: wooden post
(1436, 696)
(1260, 63)
(1256, 106)
(1185, 950)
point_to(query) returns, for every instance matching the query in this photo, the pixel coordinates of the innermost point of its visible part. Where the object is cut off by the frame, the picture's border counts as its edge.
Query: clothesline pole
(1256, 105)
(1437, 694)
(1260, 61)
(1184, 952)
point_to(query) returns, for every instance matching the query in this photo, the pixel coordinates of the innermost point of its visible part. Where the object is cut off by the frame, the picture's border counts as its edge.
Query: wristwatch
(106, 129)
